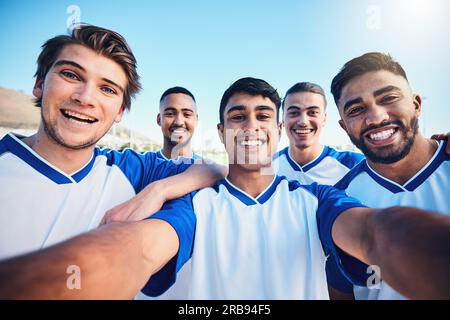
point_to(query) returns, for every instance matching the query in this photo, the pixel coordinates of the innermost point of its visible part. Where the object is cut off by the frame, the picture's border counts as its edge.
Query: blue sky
(207, 45)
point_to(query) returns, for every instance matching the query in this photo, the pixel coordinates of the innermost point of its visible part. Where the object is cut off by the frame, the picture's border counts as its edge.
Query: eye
(354, 110)
(293, 114)
(69, 75)
(168, 114)
(108, 90)
(264, 116)
(237, 117)
(187, 114)
(313, 113)
(388, 99)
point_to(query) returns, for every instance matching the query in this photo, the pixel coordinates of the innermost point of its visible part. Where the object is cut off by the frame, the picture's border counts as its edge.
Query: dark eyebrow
(258, 108)
(114, 84)
(307, 108)
(385, 89)
(236, 108)
(352, 102)
(263, 107)
(70, 63)
(76, 65)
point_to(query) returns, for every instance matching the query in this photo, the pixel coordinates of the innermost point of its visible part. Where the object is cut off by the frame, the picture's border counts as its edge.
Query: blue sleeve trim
(336, 278)
(332, 203)
(347, 158)
(179, 213)
(143, 169)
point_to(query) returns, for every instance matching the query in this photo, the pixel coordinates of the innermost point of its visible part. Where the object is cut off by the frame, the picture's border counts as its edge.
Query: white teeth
(382, 135)
(178, 131)
(79, 115)
(303, 131)
(251, 143)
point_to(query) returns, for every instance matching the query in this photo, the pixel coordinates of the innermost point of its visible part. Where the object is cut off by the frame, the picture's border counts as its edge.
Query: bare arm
(114, 261)
(151, 199)
(411, 247)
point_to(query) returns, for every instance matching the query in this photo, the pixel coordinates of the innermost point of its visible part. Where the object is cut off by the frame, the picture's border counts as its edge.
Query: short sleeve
(141, 169)
(179, 213)
(336, 278)
(332, 203)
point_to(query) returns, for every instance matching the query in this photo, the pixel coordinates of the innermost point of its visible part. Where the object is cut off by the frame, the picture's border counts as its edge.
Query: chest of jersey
(262, 251)
(38, 212)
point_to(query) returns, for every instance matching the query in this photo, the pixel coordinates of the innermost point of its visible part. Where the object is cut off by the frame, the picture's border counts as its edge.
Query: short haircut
(176, 90)
(372, 61)
(306, 87)
(253, 87)
(103, 41)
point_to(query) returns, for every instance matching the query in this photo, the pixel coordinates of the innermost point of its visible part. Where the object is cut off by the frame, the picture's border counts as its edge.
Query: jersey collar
(248, 199)
(307, 166)
(28, 155)
(415, 181)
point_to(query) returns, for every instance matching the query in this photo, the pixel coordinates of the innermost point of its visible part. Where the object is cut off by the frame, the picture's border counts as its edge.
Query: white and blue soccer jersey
(161, 155)
(269, 247)
(328, 168)
(429, 189)
(41, 205)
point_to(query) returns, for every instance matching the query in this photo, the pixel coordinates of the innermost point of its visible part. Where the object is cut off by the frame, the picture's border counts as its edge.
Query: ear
(38, 88)
(325, 119)
(342, 124)
(417, 101)
(280, 129)
(220, 132)
(119, 115)
(158, 119)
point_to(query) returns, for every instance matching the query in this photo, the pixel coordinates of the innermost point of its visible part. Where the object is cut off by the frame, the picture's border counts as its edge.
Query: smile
(76, 116)
(251, 143)
(303, 131)
(179, 131)
(381, 134)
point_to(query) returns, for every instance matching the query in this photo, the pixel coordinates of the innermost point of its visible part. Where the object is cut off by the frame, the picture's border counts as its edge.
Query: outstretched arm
(151, 199)
(111, 262)
(411, 247)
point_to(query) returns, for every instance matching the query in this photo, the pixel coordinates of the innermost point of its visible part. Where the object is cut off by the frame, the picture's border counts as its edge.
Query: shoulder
(126, 156)
(281, 153)
(347, 158)
(351, 175)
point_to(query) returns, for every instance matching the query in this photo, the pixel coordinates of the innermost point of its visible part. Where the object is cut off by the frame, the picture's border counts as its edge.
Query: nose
(252, 124)
(302, 120)
(376, 115)
(179, 119)
(84, 95)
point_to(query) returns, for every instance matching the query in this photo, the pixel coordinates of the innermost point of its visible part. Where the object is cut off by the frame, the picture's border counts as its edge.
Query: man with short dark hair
(178, 119)
(380, 113)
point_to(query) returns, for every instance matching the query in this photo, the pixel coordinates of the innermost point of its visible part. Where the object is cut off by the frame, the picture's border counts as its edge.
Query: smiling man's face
(82, 96)
(250, 131)
(177, 118)
(380, 114)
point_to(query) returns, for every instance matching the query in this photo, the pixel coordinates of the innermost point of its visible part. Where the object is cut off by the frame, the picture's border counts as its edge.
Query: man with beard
(380, 114)
(178, 119)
